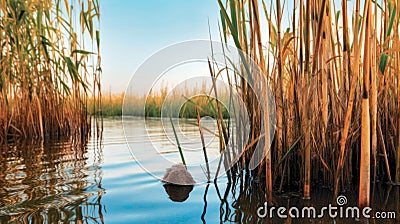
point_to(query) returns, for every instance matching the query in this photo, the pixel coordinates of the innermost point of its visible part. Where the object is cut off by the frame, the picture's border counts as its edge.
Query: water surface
(102, 183)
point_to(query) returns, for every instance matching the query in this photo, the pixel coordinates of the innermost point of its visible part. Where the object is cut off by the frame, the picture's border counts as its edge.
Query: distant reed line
(151, 105)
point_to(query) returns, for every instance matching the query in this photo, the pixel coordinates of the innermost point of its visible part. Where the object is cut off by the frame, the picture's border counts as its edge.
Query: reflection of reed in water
(246, 195)
(59, 182)
(241, 198)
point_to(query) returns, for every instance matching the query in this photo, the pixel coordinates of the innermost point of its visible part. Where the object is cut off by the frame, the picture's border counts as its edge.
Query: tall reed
(335, 77)
(49, 66)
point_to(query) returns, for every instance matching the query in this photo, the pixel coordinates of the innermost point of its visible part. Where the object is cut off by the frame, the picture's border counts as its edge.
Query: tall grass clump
(334, 71)
(49, 66)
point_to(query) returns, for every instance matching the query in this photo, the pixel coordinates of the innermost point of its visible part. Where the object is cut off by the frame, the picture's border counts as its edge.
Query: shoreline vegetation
(112, 104)
(179, 100)
(49, 68)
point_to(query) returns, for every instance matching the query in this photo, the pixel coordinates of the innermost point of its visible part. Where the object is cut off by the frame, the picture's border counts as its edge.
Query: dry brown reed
(335, 76)
(47, 69)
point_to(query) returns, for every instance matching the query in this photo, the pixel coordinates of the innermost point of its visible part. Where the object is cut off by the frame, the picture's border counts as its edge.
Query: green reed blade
(177, 142)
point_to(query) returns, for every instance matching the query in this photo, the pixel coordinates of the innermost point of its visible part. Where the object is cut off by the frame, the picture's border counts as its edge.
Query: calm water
(104, 184)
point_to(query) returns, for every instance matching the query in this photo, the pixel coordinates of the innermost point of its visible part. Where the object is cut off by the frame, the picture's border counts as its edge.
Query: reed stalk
(398, 131)
(177, 143)
(365, 173)
(398, 126)
(398, 107)
(203, 144)
(374, 93)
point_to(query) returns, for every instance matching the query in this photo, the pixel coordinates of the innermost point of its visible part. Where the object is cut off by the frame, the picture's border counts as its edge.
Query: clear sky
(133, 30)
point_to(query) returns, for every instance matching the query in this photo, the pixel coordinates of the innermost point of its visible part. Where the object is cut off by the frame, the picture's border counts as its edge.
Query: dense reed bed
(154, 102)
(111, 105)
(334, 71)
(49, 67)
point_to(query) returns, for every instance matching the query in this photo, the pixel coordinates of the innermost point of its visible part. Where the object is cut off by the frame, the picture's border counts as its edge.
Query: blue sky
(133, 30)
